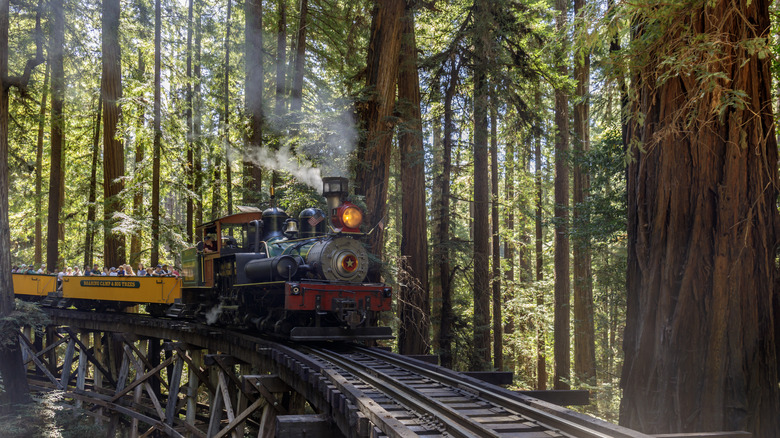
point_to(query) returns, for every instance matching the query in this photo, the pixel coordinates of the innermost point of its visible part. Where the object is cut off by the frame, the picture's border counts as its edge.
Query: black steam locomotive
(299, 278)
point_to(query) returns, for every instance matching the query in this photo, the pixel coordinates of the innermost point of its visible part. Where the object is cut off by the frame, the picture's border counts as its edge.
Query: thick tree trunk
(253, 36)
(480, 360)
(498, 332)
(113, 150)
(14, 378)
(703, 231)
(38, 258)
(89, 239)
(413, 333)
(373, 152)
(562, 346)
(57, 133)
(584, 331)
(154, 256)
(442, 252)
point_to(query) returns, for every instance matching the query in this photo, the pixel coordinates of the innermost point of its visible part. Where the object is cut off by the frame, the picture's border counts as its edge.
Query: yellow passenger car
(152, 290)
(34, 286)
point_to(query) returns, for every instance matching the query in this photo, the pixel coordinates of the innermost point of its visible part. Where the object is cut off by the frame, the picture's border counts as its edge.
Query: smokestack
(334, 189)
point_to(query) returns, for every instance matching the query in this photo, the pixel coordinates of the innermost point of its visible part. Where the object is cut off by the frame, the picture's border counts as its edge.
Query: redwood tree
(702, 230)
(373, 164)
(113, 150)
(413, 336)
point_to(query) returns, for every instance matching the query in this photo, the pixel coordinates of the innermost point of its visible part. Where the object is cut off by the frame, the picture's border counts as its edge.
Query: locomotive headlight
(295, 290)
(351, 217)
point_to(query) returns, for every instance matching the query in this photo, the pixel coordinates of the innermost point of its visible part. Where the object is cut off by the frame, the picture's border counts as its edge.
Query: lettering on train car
(111, 283)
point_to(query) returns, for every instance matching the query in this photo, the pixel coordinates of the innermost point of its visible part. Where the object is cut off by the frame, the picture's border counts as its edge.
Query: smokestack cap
(335, 186)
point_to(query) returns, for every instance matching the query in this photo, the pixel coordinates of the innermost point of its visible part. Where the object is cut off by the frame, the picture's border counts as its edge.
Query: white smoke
(284, 159)
(213, 314)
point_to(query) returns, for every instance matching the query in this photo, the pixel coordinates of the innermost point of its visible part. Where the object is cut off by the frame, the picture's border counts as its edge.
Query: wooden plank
(40, 365)
(271, 382)
(241, 418)
(303, 426)
(561, 397)
(85, 351)
(173, 393)
(492, 377)
(146, 376)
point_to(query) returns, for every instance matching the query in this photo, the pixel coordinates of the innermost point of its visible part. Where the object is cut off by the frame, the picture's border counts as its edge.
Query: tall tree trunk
(561, 324)
(436, 210)
(154, 256)
(541, 355)
(113, 150)
(16, 389)
(226, 114)
(509, 223)
(703, 227)
(480, 360)
(441, 251)
(140, 152)
(281, 56)
(196, 122)
(373, 151)
(39, 172)
(56, 48)
(584, 330)
(189, 136)
(139, 178)
(296, 95)
(89, 239)
(253, 36)
(413, 335)
(498, 332)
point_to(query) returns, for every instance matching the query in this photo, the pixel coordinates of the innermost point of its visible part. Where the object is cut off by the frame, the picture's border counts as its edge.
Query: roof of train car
(237, 218)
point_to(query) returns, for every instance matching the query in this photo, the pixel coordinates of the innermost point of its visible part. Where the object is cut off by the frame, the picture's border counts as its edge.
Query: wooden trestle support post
(148, 387)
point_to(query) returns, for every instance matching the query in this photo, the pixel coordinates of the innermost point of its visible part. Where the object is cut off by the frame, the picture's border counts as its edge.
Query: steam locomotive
(303, 279)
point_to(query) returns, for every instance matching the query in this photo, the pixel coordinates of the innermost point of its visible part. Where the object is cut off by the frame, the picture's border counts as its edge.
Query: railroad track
(369, 392)
(403, 398)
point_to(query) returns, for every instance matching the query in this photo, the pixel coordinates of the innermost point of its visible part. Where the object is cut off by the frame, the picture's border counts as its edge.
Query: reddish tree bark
(413, 333)
(584, 331)
(373, 163)
(703, 229)
(480, 360)
(56, 48)
(113, 150)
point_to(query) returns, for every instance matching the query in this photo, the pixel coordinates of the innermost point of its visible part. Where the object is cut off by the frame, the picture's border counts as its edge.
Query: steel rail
(454, 423)
(484, 391)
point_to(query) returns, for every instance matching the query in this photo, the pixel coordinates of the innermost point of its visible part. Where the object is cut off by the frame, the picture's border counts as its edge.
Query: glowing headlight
(352, 217)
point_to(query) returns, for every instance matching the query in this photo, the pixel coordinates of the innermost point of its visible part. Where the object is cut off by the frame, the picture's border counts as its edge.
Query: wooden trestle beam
(112, 377)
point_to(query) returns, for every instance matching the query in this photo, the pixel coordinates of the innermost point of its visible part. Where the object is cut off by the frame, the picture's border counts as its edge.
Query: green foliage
(25, 314)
